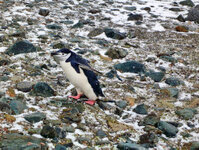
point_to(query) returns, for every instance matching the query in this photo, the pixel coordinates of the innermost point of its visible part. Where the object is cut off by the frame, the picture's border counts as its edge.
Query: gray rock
(21, 47)
(130, 146)
(60, 147)
(78, 25)
(48, 132)
(135, 17)
(181, 18)
(130, 66)
(101, 133)
(155, 76)
(187, 3)
(4, 78)
(53, 27)
(42, 89)
(19, 34)
(60, 133)
(95, 32)
(168, 59)
(67, 22)
(35, 117)
(116, 53)
(14, 141)
(168, 129)
(94, 11)
(114, 34)
(173, 81)
(122, 104)
(69, 128)
(24, 86)
(17, 106)
(173, 92)
(131, 8)
(186, 113)
(193, 14)
(141, 109)
(44, 12)
(150, 119)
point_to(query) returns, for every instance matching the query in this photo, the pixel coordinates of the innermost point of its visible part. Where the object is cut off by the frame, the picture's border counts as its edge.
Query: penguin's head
(61, 55)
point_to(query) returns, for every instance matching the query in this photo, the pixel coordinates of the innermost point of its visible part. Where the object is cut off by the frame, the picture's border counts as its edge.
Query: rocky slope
(147, 51)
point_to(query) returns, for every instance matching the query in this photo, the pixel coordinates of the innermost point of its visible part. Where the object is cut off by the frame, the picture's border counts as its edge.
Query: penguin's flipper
(89, 68)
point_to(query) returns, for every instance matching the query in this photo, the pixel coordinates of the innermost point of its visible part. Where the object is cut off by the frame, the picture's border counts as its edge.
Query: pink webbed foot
(90, 102)
(76, 97)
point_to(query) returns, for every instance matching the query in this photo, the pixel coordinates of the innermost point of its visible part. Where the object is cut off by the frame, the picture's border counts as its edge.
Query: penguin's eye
(62, 53)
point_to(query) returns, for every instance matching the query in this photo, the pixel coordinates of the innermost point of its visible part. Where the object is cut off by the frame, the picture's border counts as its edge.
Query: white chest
(79, 80)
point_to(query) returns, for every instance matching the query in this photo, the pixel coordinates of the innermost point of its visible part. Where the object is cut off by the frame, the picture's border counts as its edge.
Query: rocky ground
(148, 52)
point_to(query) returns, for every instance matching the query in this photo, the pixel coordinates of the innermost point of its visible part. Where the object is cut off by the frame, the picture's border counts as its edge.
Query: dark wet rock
(130, 66)
(60, 147)
(181, 18)
(187, 3)
(150, 119)
(48, 132)
(129, 146)
(60, 133)
(19, 34)
(54, 26)
(42, 89)
(191, 125)
(173, 81)
(118, 111)
(114, 34)
(44, 11)
(35, 117)
(175, 9)
(148, 140)
(84, 140)
(135, 17)
(141, 109)
(186, 113)
(131, 8)
(24, 86)
(17, 106)
(59, 45)
(155, 76)
(1, 94)
(193, 14)
(116, 53)
(168, 59)
(122, 104)
(168, 129)
(148, 9)
(104, 105)
(113, 73)
(100, 133)
(21, 47)
(14, 141)
(94, 11)
(95, 32)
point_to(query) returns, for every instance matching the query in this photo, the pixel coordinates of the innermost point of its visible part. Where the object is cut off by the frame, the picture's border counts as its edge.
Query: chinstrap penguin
(80, 74)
